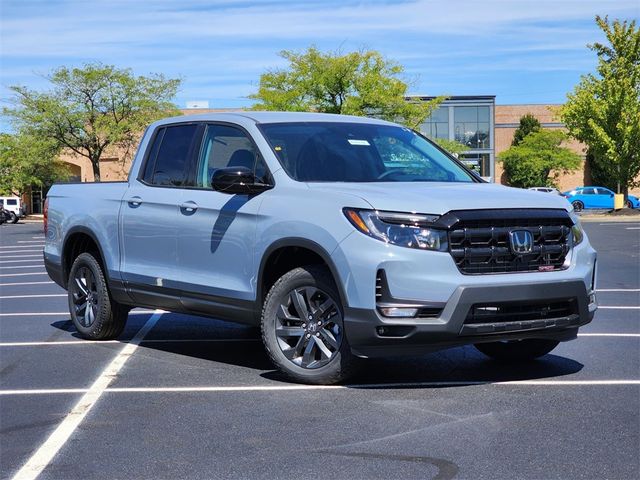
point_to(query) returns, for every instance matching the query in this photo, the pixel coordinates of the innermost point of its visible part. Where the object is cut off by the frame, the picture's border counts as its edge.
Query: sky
(522, 51)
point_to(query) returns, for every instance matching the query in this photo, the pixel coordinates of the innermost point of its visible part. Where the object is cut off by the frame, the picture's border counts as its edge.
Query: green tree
(92, 108)
(27, 161)
(355, 83)
(539, 159)
(453, 147)
(528, 124)
(604, 109)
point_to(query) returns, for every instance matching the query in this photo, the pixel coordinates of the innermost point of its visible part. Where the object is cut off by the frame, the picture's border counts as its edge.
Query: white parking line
(20, 246)
(31, 241)
(40, 237)
(20, 261)
(288, 388)
(610, 307)
(618, 290)
(19, 251)
(21, 266)
(23, 283)
(58, 314)
(20, 256)
(21, 274)
(61, 434)
(6, 297)
(634, 335)
(633, 228)
(65, 343)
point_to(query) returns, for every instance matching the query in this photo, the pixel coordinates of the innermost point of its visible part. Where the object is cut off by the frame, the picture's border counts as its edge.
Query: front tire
(303, 328)
(578, 206)
(94, 313)
(629, 204)
(517, 350)
(13, 218)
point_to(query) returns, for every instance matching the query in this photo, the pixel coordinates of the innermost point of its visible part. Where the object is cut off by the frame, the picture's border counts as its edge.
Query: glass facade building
(468, 120)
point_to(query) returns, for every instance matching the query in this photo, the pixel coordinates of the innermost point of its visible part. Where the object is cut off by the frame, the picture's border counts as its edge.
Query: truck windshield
(359, 152)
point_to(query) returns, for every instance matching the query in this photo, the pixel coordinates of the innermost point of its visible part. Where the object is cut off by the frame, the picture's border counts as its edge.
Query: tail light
(45, 213)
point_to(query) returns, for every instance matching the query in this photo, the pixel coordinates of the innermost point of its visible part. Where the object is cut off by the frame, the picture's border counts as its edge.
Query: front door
(217, 230)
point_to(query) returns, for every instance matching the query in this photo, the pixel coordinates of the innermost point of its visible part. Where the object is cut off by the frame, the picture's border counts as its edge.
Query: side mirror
(237, 180)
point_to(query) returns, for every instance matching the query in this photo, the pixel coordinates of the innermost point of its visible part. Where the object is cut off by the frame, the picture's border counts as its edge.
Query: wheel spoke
(287, 332)
(299, 304)
(283, 313)
(325, 306)
(83, 289)
(89, 316)
(307, 356)
(323, 348)
(81, 308)
(328, 337)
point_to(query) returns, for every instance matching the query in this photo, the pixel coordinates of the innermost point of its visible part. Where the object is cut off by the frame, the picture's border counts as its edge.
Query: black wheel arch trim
(300, 243)
(116, 286)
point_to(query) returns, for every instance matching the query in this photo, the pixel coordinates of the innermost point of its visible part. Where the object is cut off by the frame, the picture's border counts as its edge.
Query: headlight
(402, 229)
(576, 230)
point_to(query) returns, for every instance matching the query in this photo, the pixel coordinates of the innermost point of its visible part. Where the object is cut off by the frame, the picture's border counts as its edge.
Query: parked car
(546, 190)
(13, 209)
(306, 225)
(596, 197)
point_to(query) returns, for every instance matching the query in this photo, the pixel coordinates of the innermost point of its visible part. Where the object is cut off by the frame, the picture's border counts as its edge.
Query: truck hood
(440, 198)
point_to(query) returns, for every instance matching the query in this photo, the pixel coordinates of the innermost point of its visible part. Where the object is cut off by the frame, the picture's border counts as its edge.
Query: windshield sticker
(363, 143)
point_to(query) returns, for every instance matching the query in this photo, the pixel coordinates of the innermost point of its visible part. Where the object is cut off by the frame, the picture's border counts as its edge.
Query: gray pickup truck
(341, 237)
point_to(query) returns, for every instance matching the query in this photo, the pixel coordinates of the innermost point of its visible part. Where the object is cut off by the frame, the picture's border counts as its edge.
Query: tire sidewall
(578, 206)
(297, 278)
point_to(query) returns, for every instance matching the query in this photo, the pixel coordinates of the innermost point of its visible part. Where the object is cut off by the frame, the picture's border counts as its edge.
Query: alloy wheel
(85, 296)
(309, 327)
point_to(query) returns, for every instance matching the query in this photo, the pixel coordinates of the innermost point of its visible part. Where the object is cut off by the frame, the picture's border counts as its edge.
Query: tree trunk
(95, 163)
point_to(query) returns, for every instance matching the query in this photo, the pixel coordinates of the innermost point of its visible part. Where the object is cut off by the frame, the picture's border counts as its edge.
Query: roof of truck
(274, 117)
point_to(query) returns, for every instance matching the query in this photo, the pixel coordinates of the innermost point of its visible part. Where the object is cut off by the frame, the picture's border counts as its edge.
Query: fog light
(398, 312)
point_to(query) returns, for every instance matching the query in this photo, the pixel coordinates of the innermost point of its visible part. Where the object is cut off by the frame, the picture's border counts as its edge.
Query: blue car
(596, 197)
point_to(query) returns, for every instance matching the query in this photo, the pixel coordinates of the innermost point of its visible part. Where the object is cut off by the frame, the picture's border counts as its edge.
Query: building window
(471, 126)
(437, 125)
(480, 162)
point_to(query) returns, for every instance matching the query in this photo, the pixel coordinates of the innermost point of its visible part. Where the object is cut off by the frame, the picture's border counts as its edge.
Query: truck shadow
(217, 342)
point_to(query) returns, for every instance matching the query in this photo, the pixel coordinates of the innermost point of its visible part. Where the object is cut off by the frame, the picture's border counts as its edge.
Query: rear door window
(169, 156)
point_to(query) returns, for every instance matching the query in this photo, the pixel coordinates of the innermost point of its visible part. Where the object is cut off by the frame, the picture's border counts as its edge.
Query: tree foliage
(528, 124)
(27, 161)
(604, 109)
(453, 147)
(539, 159)
(356, 83)
(92, 108)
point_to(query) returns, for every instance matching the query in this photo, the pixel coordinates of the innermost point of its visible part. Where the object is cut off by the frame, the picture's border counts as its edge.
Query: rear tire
(13, 218)
(94, 313)
(303, 329)
(629, 204)
(517, 350)
(578, 206)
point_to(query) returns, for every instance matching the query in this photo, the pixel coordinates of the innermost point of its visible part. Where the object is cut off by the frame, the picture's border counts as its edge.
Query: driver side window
(225, 146)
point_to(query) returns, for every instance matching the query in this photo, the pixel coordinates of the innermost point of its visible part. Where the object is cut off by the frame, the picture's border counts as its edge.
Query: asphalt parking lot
(186, 397)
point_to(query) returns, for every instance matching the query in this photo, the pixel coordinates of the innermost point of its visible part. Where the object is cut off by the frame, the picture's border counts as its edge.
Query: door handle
(189, 207)
(134, 201)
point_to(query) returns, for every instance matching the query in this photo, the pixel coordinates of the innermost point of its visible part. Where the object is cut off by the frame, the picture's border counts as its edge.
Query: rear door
(149, 216)
(217, 230)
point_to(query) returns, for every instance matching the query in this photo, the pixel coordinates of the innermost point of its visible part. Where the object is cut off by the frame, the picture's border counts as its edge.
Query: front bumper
(371, 335)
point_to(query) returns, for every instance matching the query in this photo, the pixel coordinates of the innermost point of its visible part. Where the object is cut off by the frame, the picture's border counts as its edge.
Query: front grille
(479, 241)
(484, 313)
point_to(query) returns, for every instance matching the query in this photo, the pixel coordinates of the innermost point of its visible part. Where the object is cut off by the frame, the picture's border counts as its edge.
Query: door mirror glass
(239, 180)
